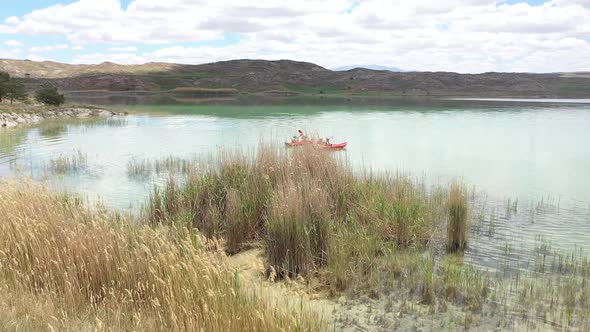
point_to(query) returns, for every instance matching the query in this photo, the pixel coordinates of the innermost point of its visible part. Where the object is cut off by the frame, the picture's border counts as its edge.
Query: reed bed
(314, 214)
(142, 169)
(72, 164)
(139, 169)
(365, 235)
(67, 267)
(112, 122)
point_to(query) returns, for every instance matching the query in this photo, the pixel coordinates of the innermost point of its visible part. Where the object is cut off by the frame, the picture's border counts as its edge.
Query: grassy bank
(66, 267)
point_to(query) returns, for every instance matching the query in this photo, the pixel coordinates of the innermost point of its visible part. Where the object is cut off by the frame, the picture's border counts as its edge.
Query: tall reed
(96, 270)
(307, 205)
(298, 227)
(458, 221)
(74, 163)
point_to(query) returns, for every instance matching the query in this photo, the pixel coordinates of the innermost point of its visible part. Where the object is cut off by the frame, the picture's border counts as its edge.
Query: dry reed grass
(64, 266)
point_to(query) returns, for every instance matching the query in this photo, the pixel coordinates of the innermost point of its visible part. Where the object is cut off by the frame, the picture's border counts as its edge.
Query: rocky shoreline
(11, 119)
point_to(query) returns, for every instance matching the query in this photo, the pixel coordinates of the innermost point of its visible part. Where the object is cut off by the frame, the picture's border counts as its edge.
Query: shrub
(50, 96)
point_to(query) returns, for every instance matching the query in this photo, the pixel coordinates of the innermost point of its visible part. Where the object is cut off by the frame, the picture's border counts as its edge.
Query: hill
(373, 67)
(50, 69)
(285, 77)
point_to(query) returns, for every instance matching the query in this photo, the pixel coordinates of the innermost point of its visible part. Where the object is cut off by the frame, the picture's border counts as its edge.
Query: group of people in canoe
(302, 139)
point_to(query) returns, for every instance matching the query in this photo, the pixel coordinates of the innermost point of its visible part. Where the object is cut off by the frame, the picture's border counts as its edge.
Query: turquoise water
(536, 153)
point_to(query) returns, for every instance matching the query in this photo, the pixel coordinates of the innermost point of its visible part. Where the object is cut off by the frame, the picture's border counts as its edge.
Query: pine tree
(4, 79)
(15, 90)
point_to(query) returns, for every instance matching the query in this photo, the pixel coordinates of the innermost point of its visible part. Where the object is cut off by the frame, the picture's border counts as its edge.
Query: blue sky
(456, 35)
(18, 8)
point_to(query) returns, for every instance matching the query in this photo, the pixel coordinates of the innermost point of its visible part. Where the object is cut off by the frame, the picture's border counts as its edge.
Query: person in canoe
(302, 136)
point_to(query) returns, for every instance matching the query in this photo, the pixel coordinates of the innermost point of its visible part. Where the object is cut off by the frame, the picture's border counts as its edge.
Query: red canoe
(299, 143)
(323, 146)
(334, 146)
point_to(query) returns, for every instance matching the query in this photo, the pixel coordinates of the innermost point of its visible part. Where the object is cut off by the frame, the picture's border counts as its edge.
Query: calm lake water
(536, 153)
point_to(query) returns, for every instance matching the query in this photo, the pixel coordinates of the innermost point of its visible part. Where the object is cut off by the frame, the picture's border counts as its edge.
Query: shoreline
(13, 119)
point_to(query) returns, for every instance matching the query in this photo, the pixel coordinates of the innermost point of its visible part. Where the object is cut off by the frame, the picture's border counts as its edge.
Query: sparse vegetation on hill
(256, 76)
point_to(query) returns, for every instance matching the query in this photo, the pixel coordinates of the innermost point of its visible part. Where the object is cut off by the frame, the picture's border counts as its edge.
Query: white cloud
(454, 35)
(14, 53)
(123, 49)
(5, 29)
(13, 43)
(50, 48)
(13, 20)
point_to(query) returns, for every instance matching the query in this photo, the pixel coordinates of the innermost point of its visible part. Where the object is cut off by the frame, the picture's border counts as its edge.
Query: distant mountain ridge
(371, 67)
(287, 77)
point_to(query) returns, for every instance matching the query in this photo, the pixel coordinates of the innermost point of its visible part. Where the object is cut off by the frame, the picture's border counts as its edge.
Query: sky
(468, 36)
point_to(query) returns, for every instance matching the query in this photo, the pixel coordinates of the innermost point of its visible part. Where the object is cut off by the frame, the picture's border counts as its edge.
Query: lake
(535, 154)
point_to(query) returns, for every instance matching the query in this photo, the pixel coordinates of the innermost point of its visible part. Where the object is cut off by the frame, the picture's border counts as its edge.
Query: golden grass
(67, 267)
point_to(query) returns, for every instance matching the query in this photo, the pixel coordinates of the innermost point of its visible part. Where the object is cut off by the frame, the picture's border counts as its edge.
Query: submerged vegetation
(141, 169)
(64, 266)
(74, 163)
